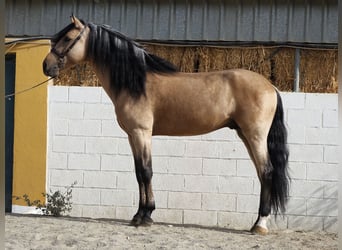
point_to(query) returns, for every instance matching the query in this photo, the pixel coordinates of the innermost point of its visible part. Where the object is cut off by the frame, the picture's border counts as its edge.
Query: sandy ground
(42, 232)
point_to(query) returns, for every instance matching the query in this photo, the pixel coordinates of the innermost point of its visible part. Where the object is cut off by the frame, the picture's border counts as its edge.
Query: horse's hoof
(259, 230)
(147, 221)
(136, 221)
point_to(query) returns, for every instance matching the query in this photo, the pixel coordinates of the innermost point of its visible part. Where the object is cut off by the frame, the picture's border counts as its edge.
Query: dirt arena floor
(44, 232)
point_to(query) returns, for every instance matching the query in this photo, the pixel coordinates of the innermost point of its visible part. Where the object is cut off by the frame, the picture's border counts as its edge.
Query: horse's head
(68, 48)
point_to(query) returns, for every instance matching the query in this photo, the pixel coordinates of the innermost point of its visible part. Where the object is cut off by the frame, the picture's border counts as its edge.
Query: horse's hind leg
(257, 147)
(140, 141)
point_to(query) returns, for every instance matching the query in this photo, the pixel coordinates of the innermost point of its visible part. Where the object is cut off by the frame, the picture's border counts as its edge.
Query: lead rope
(28, 89)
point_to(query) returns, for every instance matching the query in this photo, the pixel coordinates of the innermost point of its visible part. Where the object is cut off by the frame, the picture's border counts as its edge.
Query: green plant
(57, 202)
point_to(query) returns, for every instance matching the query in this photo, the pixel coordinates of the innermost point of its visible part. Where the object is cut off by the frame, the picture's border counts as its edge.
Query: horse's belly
(186, 124)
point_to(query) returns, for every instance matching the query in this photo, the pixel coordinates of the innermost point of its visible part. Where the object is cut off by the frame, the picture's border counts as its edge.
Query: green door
(9, 128)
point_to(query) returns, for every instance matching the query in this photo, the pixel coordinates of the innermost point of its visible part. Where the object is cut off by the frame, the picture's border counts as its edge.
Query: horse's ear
(76, 21)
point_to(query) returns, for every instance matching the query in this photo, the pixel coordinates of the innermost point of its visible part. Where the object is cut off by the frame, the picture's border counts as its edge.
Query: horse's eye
(66, 39)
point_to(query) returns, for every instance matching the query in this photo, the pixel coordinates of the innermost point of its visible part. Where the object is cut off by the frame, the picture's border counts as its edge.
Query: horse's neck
(104, 78)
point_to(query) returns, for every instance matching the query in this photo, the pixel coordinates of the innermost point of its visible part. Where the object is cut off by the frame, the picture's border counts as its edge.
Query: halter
(66, 51)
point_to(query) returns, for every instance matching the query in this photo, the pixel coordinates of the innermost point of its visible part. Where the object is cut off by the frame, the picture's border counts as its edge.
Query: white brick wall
(206, 180)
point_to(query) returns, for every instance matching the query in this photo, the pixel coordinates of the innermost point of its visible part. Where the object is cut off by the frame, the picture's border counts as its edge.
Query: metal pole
(296, 71)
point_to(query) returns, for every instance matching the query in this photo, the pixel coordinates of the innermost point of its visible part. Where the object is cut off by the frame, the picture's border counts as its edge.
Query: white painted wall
(207, 180)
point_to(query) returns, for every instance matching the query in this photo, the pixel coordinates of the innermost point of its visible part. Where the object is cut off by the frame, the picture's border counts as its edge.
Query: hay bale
(78, 75)
(283, 70)
(182, 57)
(318, 71)
(318, 68)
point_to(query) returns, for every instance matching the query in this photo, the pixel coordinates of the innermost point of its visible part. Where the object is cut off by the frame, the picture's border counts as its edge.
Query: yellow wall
(30, 121)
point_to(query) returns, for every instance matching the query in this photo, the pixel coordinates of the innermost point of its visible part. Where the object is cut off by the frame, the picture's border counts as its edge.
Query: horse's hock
(318, 68)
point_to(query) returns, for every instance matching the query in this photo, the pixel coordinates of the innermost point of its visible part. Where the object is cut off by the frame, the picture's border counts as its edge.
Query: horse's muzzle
(51, 71)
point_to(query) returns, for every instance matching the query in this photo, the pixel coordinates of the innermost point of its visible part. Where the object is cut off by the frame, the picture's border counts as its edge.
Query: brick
(164, 182)
(117, 163)
(296, 134)
(297, 170)
(65, 178)
(307, 117)
(168, 216)
(111, 128)
(85, 94)
(185, 165)
(66, 110)
(168, 147)
(322, 207)
(123, 147)
(204, 184)
(296, 206)
(322, 171)
(68, 144)
(235, 220)
(181, 200)
(305, 223)
(127, 181)
(84, 161)
(57, 160)
(160, 198)
(224, 134)
(105, 98)
(203, 149)
(308, 189)
(60, 127)
(99, 212)
(331, 154)
(219, 167)
(99, 179)
(330, 118)
(235, 185)
(235, 150)
(76, 211)
(125, 213)
(86, 196)
(327, 136)
(101, 145)
(247, 203)
(85, 127)
(218, 202)
(58, 94)
(279, 223)
(160, 164)
(330, 190)
(204, 218)
(330, 224)
(306, 153)
(246, 168)
(293, 100)
(321, 101)
(116, 198)
(256, 186)
(99, 111)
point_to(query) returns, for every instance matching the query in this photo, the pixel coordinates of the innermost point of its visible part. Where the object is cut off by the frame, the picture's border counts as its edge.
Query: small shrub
(57, 202)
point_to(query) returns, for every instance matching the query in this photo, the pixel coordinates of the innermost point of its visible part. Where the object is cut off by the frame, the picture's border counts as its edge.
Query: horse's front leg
(140, 141)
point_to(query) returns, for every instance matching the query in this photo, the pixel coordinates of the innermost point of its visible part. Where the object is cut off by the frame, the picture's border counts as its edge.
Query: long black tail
(279, 154)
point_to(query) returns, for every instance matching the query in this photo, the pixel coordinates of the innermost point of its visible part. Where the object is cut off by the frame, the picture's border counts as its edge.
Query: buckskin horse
(151, 97)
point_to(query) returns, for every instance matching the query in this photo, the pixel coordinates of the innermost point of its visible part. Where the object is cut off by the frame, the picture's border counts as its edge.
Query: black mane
(127, 60)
